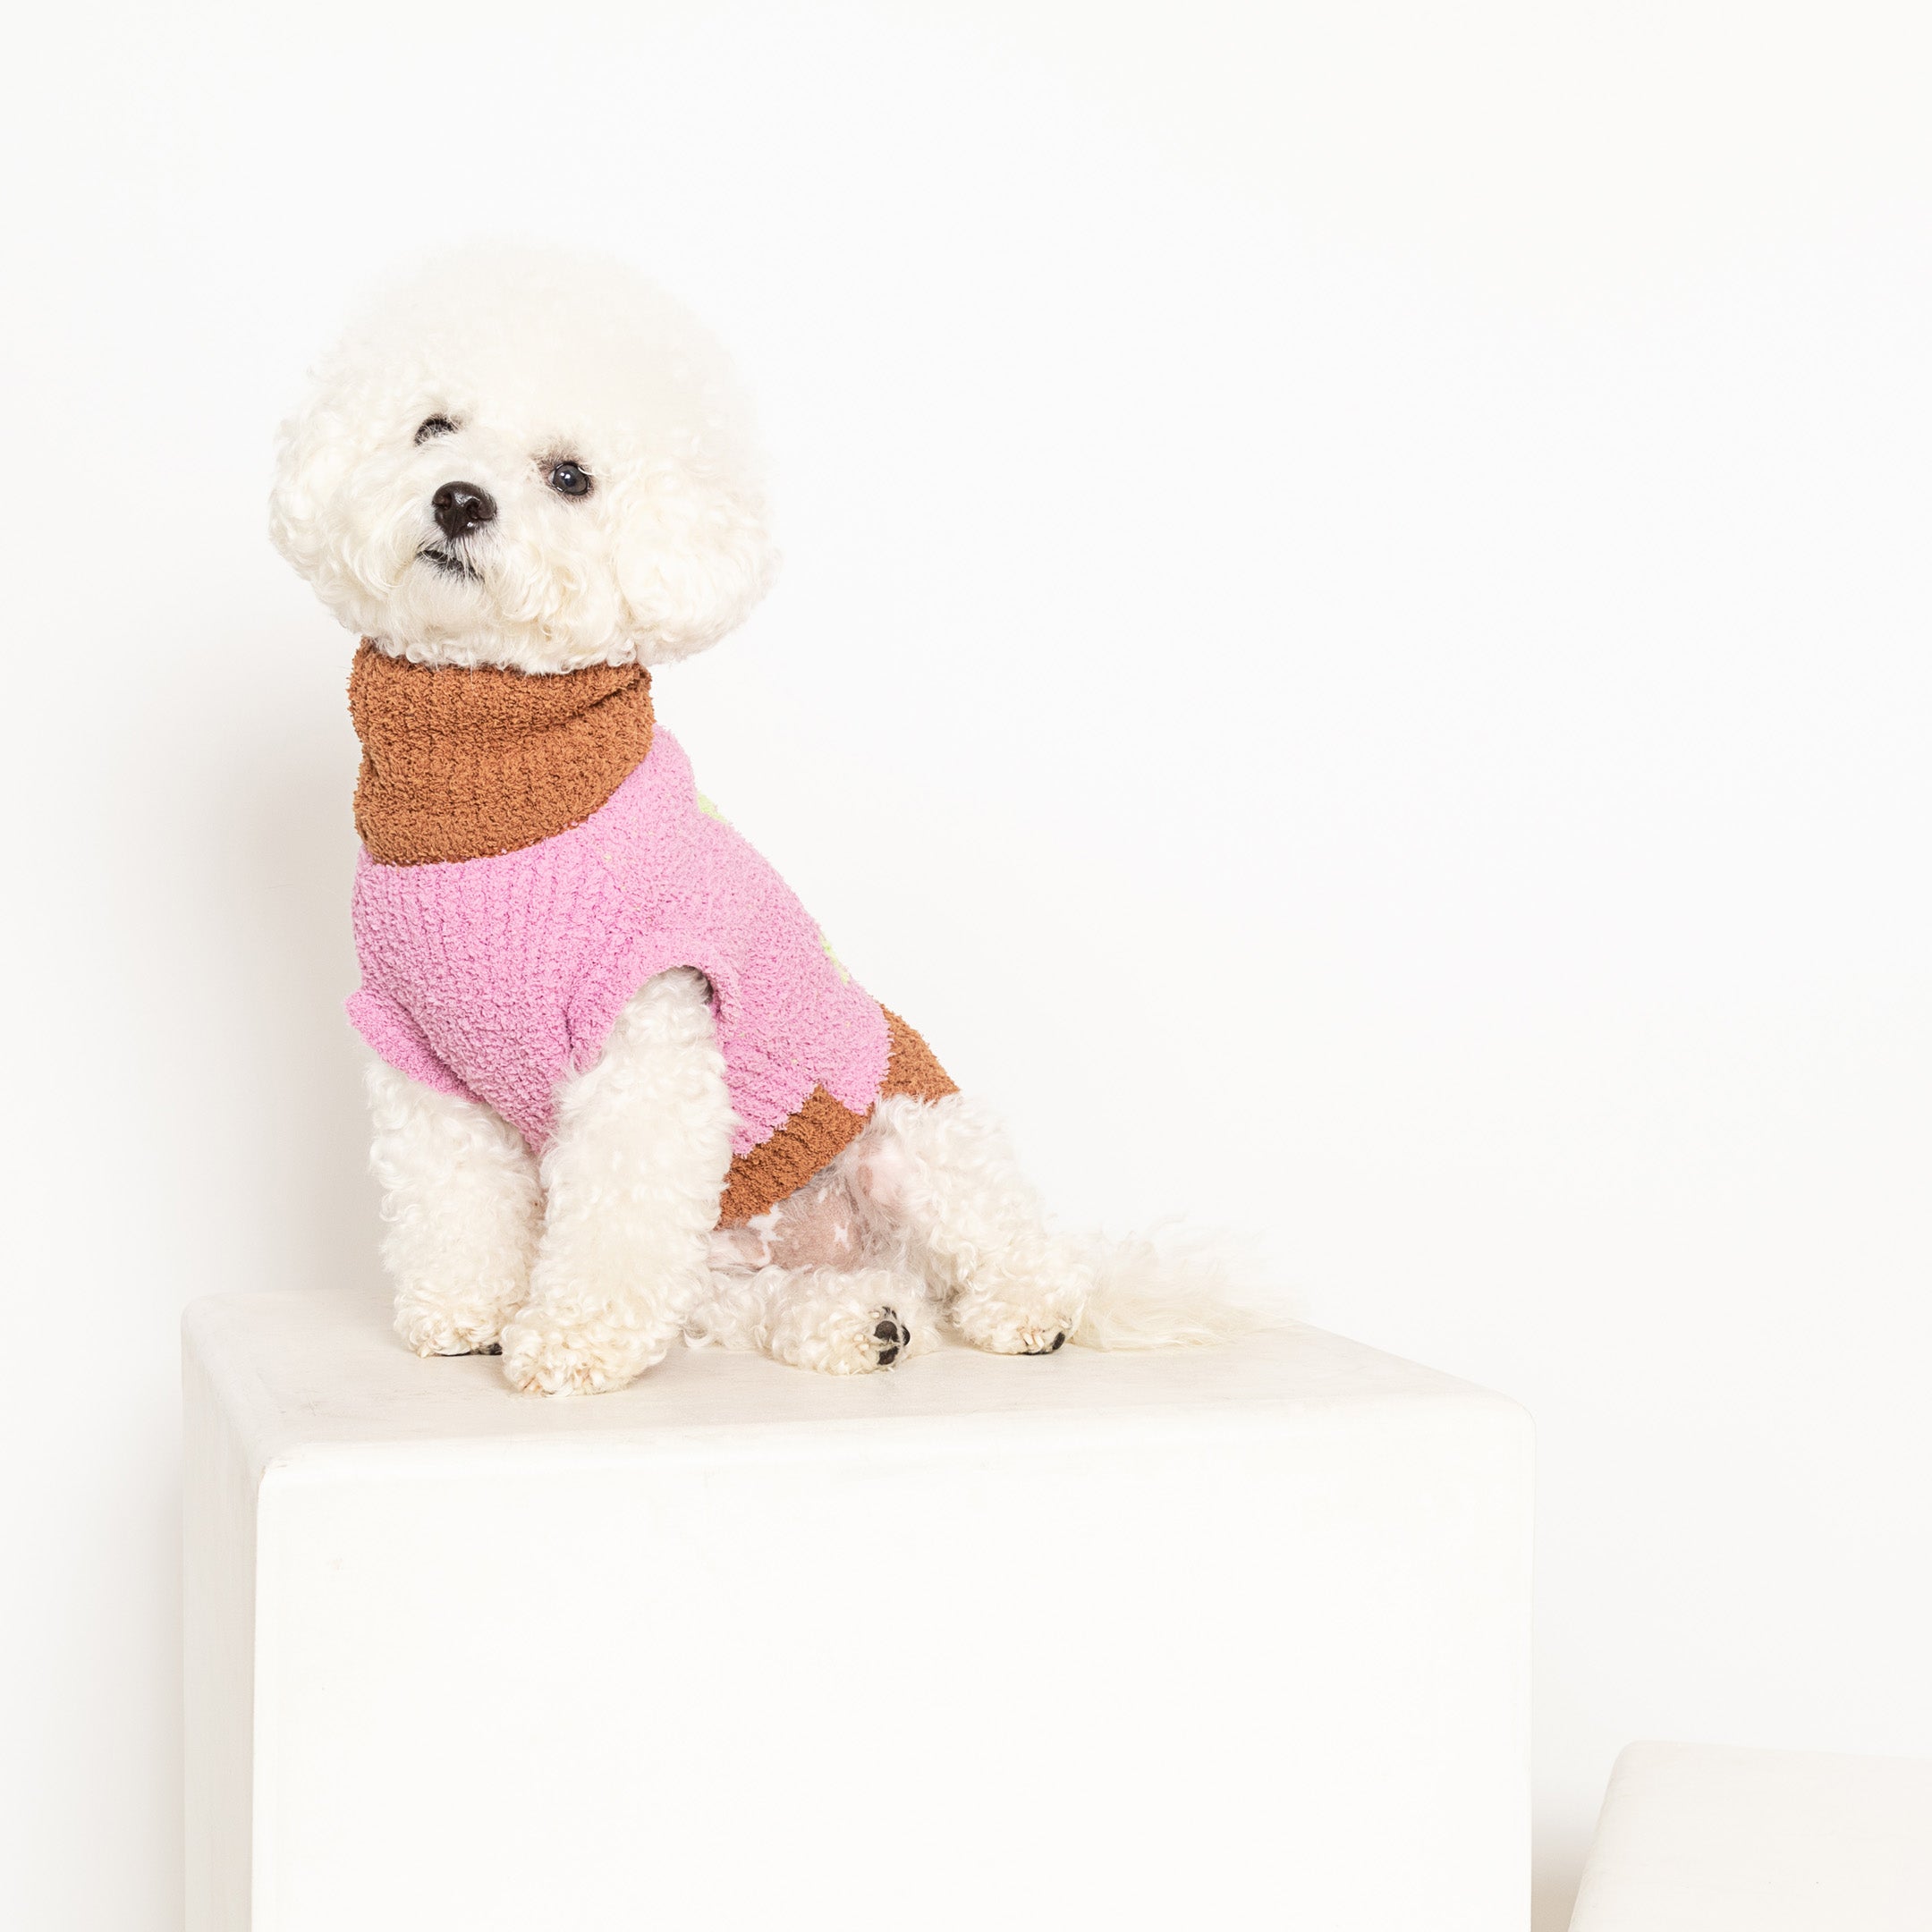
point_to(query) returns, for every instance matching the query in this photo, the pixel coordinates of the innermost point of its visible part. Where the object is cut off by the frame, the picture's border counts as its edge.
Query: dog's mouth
(448, 561)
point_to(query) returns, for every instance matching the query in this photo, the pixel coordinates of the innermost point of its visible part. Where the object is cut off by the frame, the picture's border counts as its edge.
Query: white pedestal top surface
(312, 1372)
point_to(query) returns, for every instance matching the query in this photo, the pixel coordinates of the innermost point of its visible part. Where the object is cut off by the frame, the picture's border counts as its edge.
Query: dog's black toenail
(1059, 1341)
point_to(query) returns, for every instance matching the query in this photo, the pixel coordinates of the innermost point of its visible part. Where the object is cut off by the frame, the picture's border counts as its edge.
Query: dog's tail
(1171, 1287)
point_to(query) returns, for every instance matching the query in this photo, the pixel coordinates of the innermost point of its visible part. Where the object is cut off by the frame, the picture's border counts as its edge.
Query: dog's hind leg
(841, 1321)
(942, 1174)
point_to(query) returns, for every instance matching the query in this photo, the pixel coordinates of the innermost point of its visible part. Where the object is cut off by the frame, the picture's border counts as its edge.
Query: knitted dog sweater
(534, 849)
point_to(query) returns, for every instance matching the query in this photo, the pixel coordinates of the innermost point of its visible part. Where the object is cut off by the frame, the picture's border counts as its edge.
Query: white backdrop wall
(1357, 595)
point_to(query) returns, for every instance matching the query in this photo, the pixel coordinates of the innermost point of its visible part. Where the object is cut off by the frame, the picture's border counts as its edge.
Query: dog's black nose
(461, 507)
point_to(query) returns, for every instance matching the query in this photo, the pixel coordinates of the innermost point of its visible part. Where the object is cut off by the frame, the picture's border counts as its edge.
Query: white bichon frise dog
(625, 1094)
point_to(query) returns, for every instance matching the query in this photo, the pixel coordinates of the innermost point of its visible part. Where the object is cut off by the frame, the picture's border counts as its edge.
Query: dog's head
(521, 459)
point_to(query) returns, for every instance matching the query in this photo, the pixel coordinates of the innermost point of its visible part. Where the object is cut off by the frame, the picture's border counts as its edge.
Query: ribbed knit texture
(496, 976)
(461, 763)
(822, 1128)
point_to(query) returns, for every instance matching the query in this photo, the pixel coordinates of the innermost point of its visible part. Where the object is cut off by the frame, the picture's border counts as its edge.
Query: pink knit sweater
(494, 976)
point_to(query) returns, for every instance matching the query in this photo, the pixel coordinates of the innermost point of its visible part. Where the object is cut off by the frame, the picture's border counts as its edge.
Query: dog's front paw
(544, 1356)
(449, 1325)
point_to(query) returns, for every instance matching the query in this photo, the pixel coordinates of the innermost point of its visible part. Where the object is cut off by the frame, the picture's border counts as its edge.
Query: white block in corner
(1704, 1838)
(1220, 1638)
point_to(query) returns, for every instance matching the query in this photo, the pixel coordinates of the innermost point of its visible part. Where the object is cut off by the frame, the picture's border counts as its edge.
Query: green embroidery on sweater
(838, 965)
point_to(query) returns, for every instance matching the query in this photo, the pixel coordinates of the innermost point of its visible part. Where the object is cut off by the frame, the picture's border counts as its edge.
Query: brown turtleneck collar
(462, 764)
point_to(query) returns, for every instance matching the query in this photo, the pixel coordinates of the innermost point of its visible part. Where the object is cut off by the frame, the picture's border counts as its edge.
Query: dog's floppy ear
(694, 554)
(314, 454)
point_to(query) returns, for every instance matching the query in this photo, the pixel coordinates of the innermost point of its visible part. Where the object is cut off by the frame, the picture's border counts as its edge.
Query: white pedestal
(1216, 1639)
(1700, 1838)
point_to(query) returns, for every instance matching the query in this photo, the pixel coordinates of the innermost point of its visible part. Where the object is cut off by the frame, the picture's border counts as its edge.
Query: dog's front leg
(463, 1208)
(631, 1177)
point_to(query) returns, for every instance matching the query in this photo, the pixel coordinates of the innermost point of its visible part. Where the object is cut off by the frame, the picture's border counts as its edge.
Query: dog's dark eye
(434, 426)
(570, 480)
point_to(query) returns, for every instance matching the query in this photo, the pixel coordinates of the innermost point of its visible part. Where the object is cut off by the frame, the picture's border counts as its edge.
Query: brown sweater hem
(821, 1129)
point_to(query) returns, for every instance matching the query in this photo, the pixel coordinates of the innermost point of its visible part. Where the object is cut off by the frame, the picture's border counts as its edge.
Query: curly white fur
(492, 369)
(924, 1221)
(531, 358)
(844, 1321)
(945, 1176)
(463, 1209)
(631, 1180)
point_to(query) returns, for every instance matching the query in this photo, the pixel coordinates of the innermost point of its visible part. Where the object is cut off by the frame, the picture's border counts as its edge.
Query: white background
(1357, 602)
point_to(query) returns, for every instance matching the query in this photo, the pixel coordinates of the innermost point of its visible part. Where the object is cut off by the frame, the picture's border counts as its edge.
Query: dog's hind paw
(1025, 1300)
(1004, 1330)
(840, 1323)
(890, 1335)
